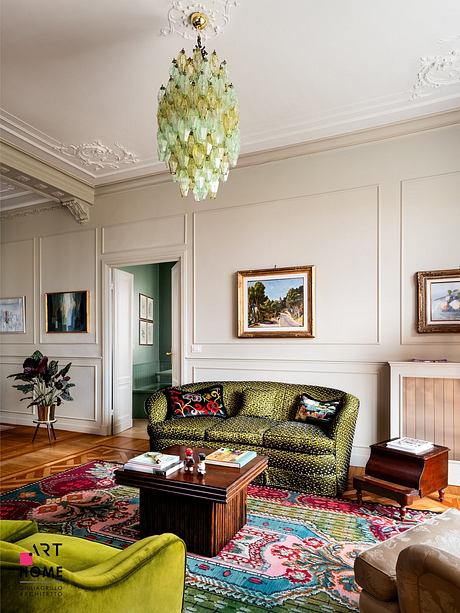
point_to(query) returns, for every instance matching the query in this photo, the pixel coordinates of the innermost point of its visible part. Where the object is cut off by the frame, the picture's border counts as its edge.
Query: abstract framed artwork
(67, 312)
(13, 315)
(438, 301)
(276, 302)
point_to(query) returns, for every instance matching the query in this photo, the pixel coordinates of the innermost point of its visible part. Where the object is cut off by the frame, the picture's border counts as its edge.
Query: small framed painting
(13, 315)
(438, 301)
(149, 333)
(142, 306)
(276, 302)
(142, 332)
(67, 312)
(149, 309)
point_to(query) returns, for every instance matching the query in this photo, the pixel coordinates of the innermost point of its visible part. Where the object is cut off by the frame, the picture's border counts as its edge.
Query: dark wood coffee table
(205, 511)
(401, 476)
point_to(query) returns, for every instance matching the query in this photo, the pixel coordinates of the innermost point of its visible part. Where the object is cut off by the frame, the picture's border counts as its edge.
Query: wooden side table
(401, 476)
(49, 427)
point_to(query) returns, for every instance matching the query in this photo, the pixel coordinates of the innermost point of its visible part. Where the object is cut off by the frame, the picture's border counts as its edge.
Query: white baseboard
(26, 420)
(359, 456)
(454, 472)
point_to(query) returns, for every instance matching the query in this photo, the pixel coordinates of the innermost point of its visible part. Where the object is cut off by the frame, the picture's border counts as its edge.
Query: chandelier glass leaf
(198, 123)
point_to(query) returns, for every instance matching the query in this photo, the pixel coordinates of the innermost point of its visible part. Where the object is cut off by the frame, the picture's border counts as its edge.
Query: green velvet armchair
(64, 573)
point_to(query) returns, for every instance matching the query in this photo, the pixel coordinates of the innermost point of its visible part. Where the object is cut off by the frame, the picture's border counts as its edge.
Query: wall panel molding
(149, 233)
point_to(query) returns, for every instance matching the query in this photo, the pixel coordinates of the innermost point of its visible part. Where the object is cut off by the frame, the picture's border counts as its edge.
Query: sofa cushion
(257, 402)
(193, 428)
(240, 429)
(204, 402)
(297, 436)
(319, 412)
(375, 568)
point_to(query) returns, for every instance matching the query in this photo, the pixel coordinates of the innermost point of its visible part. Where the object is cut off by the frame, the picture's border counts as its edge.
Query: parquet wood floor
(22, 462)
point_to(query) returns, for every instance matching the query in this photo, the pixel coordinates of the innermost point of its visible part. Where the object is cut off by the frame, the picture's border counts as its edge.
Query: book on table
(232, 458)
(155, 460)
(412, 445)
(142, 468)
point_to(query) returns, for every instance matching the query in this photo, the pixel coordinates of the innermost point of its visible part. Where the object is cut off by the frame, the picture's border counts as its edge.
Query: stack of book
(231, 458)
(411, 445)
(161, 464)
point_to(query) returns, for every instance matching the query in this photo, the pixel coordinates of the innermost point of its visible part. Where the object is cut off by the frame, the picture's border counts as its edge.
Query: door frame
(133, 258)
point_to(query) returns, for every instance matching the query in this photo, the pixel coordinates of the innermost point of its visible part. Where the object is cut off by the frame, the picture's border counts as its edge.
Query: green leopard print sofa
(302, 457)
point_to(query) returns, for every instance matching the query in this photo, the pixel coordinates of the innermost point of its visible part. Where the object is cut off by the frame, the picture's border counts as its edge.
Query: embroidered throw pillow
(207, 402)
(257, 402)
(317, 411)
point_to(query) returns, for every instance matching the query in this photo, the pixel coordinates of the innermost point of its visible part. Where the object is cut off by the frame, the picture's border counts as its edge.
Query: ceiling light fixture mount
(198, 120)
(199, 20)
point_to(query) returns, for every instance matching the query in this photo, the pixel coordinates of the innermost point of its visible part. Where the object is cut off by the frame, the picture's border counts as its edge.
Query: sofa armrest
(12, 530)
(343, 431)
(156, 407)
(117, 568)
(428, 580)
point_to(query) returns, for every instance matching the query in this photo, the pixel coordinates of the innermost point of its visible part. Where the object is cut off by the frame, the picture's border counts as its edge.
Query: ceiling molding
(26, 169)
(29, 210)
(217, 12)
(78, 209)
(394, 130)
(98, 156)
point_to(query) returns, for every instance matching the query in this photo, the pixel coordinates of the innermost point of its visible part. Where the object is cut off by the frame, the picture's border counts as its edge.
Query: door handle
(168, 353)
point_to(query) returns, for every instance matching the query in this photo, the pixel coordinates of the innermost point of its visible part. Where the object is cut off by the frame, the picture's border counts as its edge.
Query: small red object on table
(401, 475)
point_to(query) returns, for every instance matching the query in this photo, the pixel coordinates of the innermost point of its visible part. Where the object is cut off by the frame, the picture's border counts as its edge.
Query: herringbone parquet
(23, 462)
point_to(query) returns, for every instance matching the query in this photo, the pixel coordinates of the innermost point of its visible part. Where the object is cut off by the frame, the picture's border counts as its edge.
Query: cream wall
(368, 217)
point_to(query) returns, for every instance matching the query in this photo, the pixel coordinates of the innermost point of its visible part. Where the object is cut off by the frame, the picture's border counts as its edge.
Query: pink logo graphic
(25, 559)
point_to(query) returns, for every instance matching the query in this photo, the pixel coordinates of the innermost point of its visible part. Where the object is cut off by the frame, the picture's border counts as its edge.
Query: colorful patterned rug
(294, 555)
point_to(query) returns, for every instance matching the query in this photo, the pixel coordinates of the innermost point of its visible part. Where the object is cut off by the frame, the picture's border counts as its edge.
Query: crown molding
(360, 137)
(33, 169)
(29, 210)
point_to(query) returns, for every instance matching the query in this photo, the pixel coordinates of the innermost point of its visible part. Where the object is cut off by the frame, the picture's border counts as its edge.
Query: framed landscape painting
(439, 301)
(12, 315)
(67, 312)
(276, 302)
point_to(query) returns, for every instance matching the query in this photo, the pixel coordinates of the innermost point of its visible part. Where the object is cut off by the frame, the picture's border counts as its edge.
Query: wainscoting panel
(17, 279)
(296, 231)
(427, 246)
(68, 262)
(361, 380)
(83, 414)
(155, 232)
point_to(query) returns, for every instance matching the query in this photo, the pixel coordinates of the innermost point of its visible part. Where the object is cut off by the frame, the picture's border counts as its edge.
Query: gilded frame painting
(276, 302)
(438, 301)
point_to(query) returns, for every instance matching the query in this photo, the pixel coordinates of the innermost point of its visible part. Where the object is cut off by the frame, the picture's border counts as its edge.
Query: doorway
(145, 336)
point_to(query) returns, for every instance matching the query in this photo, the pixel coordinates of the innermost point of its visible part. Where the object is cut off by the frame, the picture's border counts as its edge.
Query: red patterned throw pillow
(206, 402)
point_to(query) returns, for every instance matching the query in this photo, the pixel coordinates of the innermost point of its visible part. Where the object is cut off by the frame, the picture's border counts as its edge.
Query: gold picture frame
(54, 323)
(438, 303)
(276, 302)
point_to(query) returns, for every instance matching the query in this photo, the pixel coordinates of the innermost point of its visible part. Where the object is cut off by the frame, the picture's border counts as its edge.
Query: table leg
(441, 494)
(49, 432)
(402, 513)
(52, 430)
(359, 496)
(35, 433)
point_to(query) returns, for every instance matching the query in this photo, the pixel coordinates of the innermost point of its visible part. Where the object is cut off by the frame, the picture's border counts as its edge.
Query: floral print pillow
(317, 411)
(208, 402)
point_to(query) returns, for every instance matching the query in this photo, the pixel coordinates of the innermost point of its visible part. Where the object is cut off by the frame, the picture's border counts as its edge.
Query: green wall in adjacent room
(153, 280)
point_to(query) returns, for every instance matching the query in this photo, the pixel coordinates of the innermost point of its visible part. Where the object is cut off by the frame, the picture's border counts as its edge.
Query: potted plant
(48, 385)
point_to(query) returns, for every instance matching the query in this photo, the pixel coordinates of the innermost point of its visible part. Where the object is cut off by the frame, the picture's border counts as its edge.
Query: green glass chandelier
(198, 120)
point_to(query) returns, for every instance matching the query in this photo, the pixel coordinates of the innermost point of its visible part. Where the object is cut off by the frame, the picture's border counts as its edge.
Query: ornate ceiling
(80, 78)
